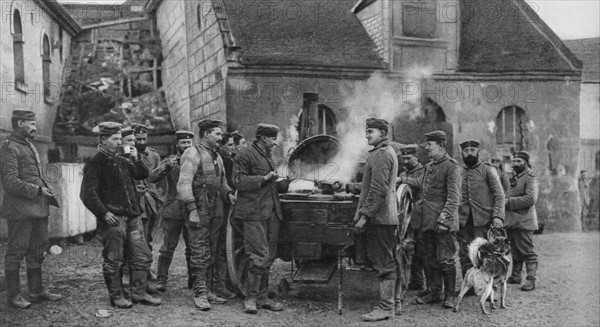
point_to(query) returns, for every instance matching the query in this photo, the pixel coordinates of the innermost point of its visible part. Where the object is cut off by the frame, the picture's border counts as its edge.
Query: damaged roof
(301, 33)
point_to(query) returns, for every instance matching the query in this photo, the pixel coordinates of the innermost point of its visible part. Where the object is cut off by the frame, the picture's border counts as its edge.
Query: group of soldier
(454, 203)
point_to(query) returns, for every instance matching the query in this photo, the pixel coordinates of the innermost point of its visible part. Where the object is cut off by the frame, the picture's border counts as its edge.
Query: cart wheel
(404, 233)
(237, 259)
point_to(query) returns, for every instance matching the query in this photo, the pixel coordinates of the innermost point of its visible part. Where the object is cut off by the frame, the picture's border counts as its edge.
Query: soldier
(108, 191)
(202, 188)
(482, 200)
(377, 214)
(437, 214)
(521, 220)
(172, 212)
(259, 212)
(413, 176)
(226, 151)
(239, 141)
(149, 198)
(27, 197)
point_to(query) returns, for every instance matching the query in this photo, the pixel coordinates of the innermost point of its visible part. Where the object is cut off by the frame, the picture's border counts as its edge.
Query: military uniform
(149, 198)
(521, 221)
(26, 210)
(440, 194)
(108, 186)
(203, 187)
(482, 200)
(259, 211)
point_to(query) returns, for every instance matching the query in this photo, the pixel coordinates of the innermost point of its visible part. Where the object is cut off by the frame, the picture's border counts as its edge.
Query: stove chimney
(310, 115)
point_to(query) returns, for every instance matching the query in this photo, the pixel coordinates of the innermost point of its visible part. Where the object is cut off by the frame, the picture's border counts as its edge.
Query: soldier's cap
(139, 128)
(207, 123)
(522, 155)
(396, 146)
(409, 149)
(126, 131)
(437, 136)
(109, 128)
(379, 123)
(267, 130)
(23, 114)
(469, 144)
(237, 136)
(184, 135)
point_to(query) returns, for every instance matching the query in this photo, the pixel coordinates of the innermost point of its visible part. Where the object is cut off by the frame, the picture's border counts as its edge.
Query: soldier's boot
(434, 292)
(211, 296)
(263, 300)
(417, 277)
(200, 289)
(515, 276)
(383, 311)
(139, 289)
(125, 277)
(529, 285)
(449, 288)
(220, 284)
(398, 297)
(13, 290)
(253, 290)
(37, 292)
(115, 291)
(164, 263)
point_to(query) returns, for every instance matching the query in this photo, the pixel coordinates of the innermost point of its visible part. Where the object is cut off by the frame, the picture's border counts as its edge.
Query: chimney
(310, 115)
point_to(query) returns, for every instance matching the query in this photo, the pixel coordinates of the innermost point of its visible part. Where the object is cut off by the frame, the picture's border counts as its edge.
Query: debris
(102, 313)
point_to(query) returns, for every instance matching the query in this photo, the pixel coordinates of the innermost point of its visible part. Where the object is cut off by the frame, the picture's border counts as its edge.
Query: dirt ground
(567, 294)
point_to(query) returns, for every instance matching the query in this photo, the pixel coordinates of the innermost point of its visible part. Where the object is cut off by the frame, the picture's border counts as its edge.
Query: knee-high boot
(531, 267)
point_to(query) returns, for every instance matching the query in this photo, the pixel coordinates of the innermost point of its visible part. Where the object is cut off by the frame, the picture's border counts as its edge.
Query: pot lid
(313, 159)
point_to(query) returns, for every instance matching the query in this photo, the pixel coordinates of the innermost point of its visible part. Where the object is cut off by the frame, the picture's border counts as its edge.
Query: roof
(514, 39)
(588, 51)
(60, 15)
(301, 33)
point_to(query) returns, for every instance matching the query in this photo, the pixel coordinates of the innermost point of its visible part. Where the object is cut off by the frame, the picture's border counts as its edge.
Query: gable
(507, 35)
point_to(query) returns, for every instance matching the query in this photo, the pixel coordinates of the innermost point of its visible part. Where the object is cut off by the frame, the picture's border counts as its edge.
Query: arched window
(327, 121)
(511, 129)
(431, 112)
(46, 67)
(19, 66)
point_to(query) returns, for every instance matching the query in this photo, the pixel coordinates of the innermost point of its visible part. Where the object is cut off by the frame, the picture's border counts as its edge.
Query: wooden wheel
(237, 259)
(404, 234)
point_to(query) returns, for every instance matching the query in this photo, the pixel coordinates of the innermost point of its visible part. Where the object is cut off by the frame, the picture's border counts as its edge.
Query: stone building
(491, 70)
(36, 41)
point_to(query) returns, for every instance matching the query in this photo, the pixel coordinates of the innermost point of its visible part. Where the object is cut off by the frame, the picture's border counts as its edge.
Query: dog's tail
(474, 250)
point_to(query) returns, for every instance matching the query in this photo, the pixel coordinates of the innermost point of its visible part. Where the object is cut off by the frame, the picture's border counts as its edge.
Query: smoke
(378, 97)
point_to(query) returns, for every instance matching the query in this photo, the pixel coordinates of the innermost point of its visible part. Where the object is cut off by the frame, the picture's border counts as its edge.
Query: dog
(492, 265)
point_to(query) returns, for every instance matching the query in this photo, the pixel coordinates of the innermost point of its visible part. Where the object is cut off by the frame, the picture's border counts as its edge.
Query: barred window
(19, 66)
(510, 130)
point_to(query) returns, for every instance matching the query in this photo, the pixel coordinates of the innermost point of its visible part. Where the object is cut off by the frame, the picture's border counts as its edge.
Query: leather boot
(253, 290)
(434, 285)
(529, 285)
(13, 290)
(398, 297)
(115, 291)
(449, 288)
(515, 276)
(139, 287)
(387, 290)
(37, 292)
(164, 263)
(200, 290)
(263, 300)
(210, 281)
(220, 284)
